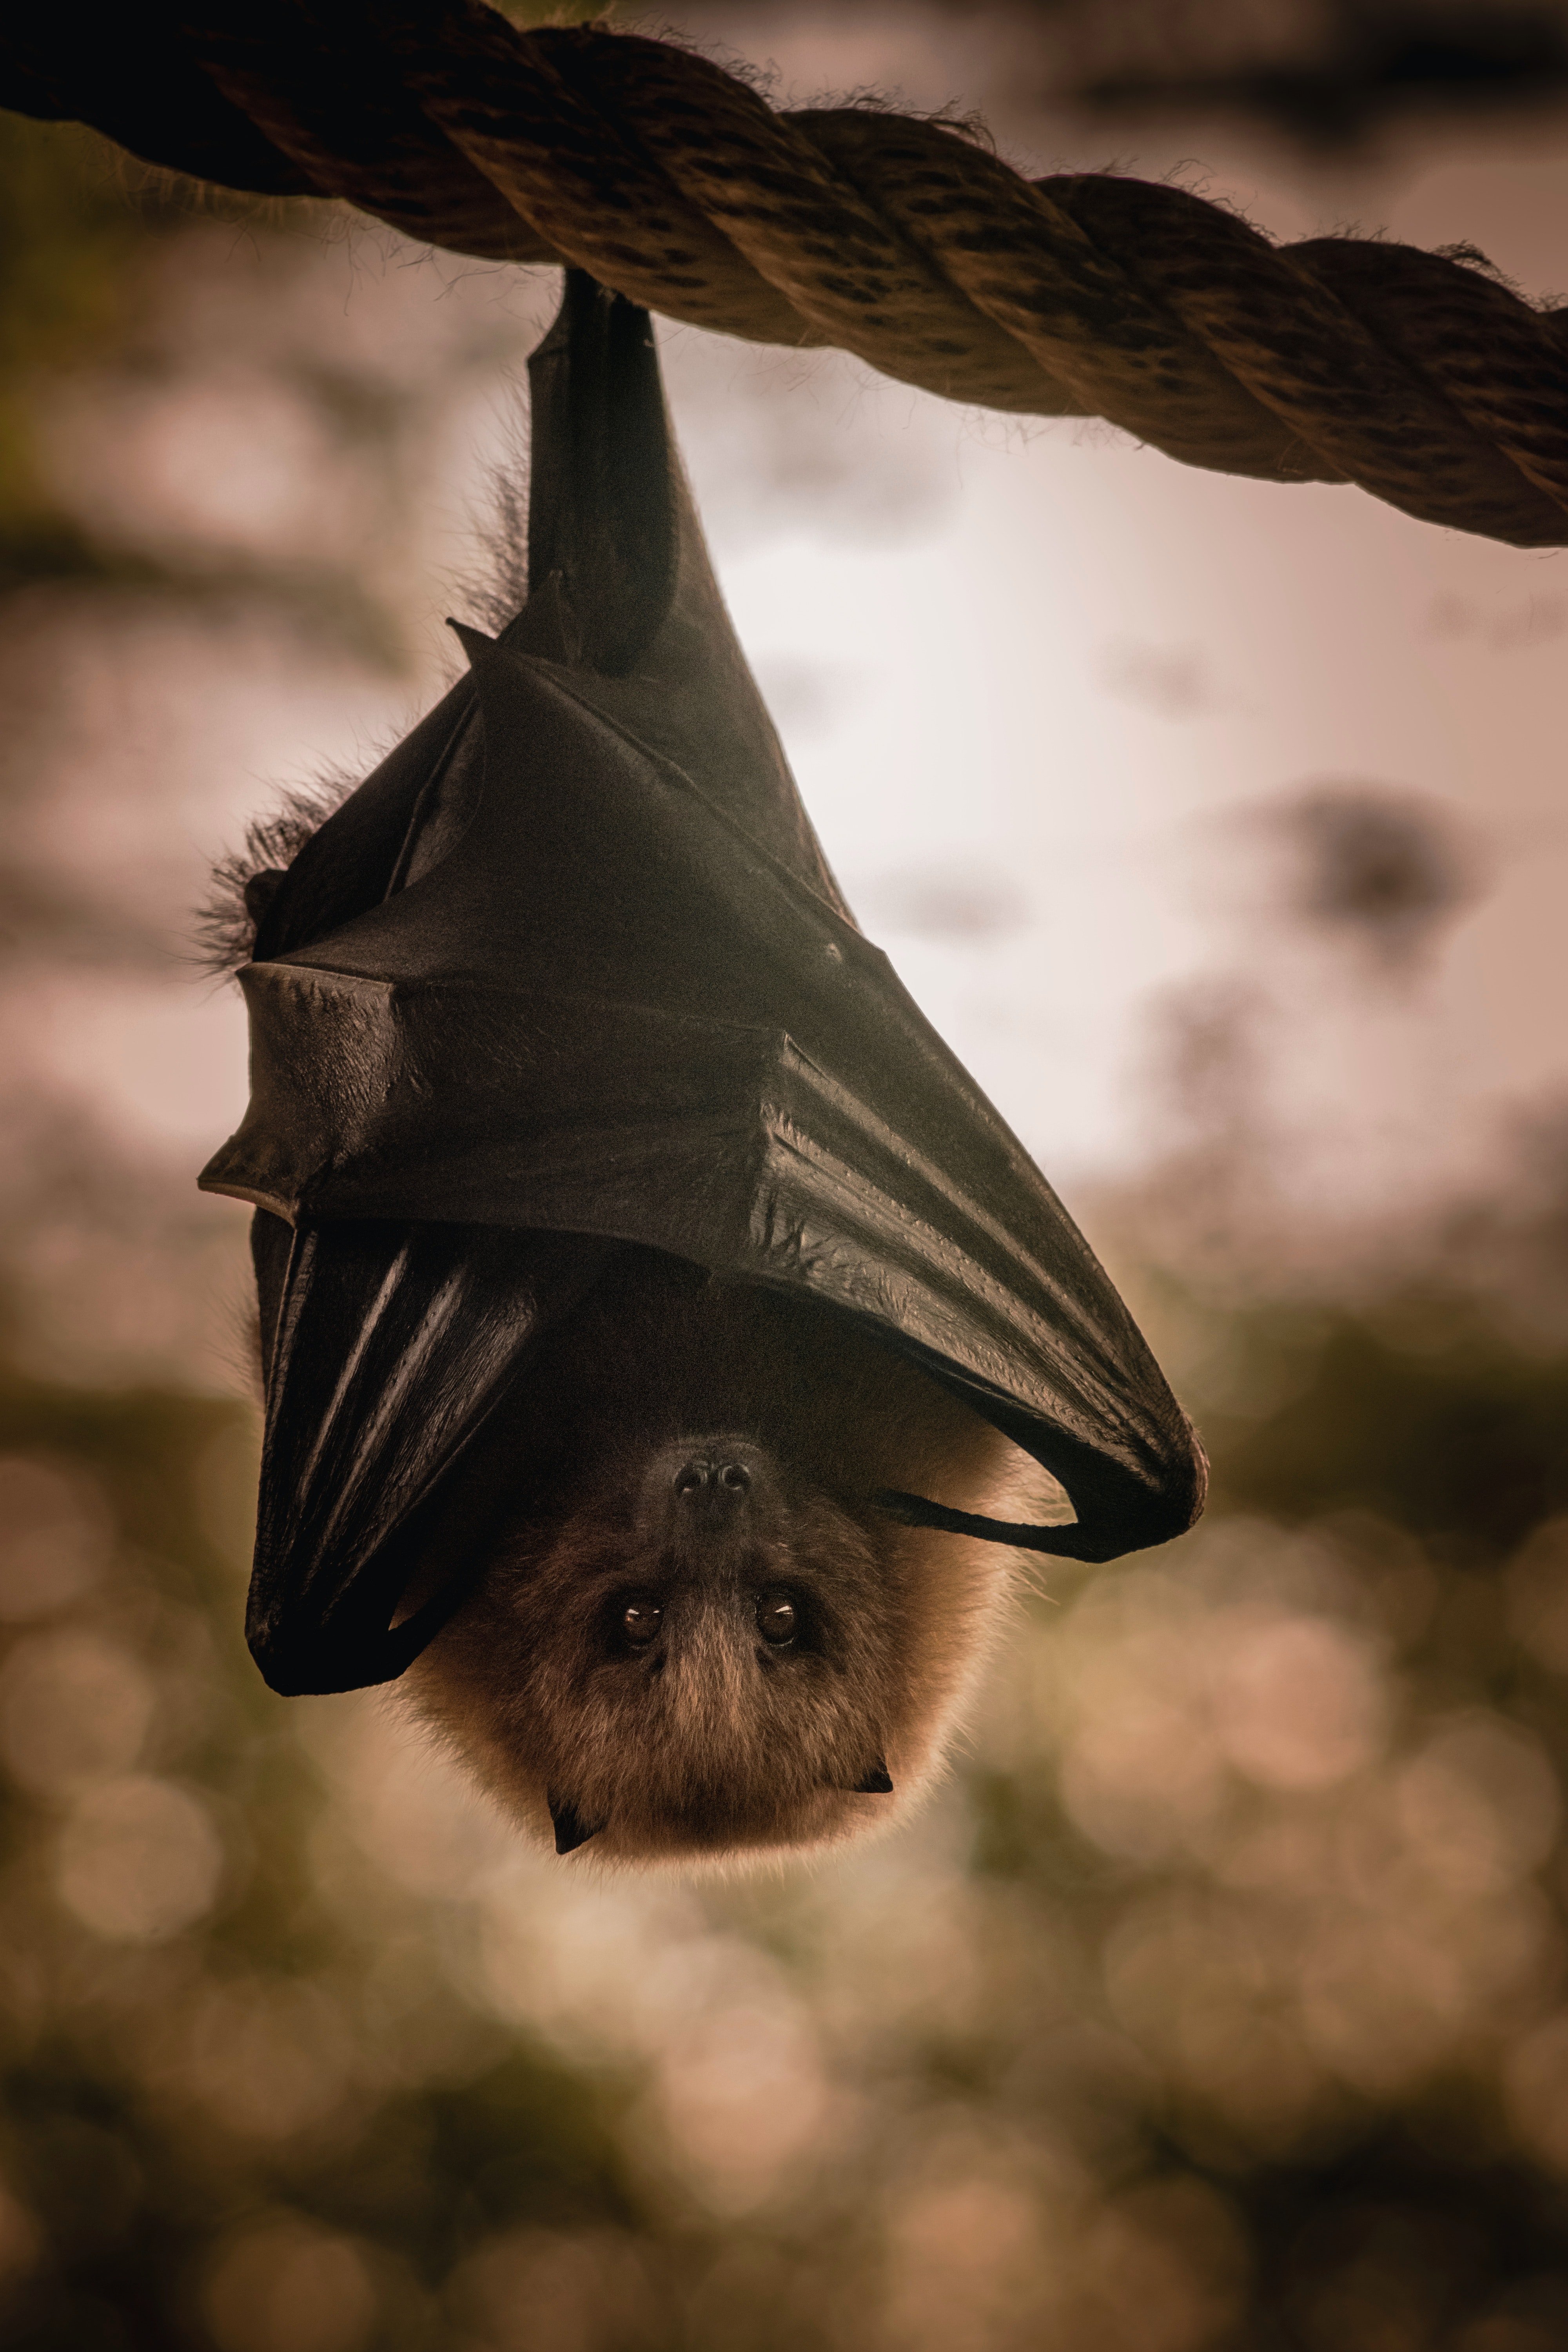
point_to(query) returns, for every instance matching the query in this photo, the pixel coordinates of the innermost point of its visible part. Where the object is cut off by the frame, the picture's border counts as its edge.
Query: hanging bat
(659, 1329)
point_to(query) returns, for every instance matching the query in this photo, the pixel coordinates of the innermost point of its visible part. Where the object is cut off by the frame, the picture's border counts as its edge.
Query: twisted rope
(906, 241)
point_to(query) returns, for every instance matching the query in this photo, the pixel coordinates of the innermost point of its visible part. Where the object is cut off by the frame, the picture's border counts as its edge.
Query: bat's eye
(776, 1618)
(640, 1621)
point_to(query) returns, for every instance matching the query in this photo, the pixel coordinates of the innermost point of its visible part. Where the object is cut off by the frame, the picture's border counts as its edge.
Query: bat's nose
(711, 1481)
(709, 1493)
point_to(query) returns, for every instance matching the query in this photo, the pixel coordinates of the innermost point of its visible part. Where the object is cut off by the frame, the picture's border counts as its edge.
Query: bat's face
(704, 1639)
(705, 1660)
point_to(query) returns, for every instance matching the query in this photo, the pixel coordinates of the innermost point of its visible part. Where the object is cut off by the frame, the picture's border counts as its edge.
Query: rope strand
(902, 241)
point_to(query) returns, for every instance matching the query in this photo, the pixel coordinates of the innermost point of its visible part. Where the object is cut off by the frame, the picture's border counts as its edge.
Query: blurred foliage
(94, 250)
(1332, 73)
(1327, 73)
(166, 2083)
(69, 241)
(1425, 1413)
(1221, 2005)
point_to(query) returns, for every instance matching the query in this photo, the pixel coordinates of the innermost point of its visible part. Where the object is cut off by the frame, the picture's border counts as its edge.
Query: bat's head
(710, 1659)
(707, 1641)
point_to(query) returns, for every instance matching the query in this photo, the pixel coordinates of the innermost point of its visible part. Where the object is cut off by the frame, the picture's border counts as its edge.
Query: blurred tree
(262, 2058)
(70, 235)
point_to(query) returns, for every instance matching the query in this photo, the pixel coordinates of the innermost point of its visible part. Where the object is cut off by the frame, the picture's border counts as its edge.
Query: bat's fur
(226, 921)
(710, 1741)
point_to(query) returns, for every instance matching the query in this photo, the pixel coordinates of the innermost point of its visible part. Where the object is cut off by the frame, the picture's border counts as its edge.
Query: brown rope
(904, 241)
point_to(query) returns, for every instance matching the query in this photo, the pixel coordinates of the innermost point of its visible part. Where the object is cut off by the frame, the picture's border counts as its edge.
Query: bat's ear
(571, 1829)
(604, 483)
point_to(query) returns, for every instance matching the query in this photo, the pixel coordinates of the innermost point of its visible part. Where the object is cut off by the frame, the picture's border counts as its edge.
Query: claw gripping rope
(904, 240)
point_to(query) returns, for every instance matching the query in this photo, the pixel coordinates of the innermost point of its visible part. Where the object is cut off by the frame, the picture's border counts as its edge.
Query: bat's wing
(573, 964)
(386, 1451)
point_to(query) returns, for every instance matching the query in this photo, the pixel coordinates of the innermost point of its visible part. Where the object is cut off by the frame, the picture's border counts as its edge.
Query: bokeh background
(1219, 2004)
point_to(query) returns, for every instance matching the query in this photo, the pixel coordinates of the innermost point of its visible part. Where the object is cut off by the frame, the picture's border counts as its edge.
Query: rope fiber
(906, 241)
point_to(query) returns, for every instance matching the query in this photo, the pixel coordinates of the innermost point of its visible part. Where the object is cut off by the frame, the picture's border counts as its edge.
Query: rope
(906, 241)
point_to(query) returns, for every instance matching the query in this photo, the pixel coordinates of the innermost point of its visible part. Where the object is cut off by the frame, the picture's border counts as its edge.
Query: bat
(659, 1331)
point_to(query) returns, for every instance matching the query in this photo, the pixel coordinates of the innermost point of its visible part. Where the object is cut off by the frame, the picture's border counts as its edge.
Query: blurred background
(1219, 2004)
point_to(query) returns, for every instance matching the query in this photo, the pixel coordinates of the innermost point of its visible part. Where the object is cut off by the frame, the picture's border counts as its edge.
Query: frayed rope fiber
(1417, 376)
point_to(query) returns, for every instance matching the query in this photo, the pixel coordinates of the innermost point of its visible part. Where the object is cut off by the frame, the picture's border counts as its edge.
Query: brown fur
(710, 1742)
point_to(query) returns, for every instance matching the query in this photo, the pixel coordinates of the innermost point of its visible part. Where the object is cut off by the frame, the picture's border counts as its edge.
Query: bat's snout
(708, 1495)
(715, 1482)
